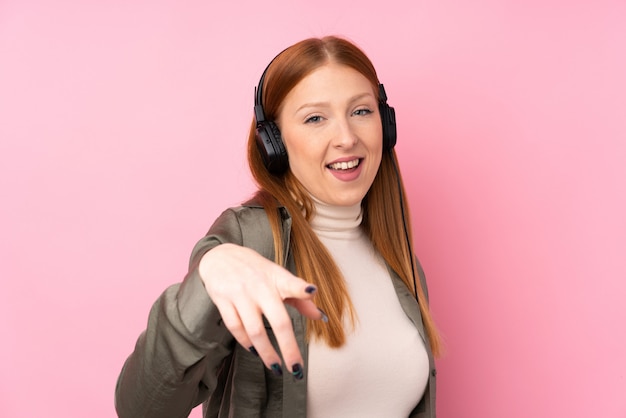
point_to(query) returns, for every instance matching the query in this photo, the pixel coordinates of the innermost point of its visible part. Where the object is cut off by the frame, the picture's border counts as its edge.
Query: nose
(345, 136)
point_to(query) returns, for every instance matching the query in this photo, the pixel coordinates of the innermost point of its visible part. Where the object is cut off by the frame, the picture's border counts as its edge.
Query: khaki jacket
(186, 356)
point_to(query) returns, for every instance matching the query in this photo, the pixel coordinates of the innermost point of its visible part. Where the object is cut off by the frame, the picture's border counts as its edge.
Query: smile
(345, 165)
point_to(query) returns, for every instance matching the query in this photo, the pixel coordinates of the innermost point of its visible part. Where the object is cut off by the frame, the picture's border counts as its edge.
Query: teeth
(344, 165)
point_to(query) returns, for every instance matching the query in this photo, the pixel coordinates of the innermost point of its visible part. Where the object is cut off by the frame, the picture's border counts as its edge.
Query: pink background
(122, 136)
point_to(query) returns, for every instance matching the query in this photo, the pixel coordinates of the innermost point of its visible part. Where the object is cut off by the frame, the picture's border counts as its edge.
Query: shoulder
(232, 218)
(247, 225)
(249, 216)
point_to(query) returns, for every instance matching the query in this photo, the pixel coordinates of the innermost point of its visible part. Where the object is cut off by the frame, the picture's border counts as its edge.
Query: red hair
(383, 208)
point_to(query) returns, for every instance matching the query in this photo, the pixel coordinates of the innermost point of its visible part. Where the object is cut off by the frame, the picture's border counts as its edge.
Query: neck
(336, 221)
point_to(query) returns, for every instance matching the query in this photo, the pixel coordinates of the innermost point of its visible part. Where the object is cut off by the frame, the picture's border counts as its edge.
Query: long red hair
(383, 208)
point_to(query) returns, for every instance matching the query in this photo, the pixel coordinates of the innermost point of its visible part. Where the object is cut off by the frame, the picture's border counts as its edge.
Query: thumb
(289, 286)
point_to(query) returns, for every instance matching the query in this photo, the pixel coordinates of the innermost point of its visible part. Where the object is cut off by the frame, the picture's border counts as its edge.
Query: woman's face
(331, 128)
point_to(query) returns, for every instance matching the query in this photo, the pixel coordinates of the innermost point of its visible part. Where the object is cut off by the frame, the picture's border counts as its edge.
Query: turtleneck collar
(339, 222)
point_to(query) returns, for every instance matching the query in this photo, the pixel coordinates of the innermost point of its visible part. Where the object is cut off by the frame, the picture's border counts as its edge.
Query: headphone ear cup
(388, 120)
(271, 146)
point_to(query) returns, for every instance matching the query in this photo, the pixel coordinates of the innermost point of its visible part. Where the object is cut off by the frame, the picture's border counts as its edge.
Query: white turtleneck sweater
(382, 370)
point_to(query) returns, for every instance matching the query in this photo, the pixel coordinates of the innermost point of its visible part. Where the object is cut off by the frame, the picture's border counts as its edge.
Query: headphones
(270, 143)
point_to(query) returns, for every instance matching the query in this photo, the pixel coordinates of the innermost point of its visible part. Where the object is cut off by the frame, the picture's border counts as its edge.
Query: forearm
(173, 367)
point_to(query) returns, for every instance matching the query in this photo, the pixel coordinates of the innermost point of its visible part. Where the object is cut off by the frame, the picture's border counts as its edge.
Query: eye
(313, 119)
(362, 112)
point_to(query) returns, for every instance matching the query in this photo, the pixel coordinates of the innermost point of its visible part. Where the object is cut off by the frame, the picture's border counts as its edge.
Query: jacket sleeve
(177, 359)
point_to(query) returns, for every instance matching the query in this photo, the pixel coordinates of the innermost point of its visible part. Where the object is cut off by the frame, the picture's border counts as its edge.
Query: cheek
(376, 146)
(301, 147)
(304, 161)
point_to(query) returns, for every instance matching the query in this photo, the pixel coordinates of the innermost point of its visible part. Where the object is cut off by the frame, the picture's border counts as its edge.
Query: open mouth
(345, 165)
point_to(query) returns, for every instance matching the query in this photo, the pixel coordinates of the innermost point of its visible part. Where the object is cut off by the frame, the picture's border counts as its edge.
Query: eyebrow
(326, 104)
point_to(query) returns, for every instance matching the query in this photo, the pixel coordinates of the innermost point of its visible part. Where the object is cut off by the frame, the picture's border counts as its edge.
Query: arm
(176, 360)
(182, 357)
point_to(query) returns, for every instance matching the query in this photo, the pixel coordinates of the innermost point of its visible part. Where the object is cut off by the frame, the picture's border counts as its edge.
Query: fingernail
(253, 350)
(324, 317)
(277, 370)
(296, 371)
(310, 289)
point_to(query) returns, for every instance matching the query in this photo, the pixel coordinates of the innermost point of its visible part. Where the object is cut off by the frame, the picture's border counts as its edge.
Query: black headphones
(270, 143)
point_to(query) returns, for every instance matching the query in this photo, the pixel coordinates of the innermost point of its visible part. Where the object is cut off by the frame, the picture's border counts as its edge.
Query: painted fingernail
(324, 317)
(276, 369)
(253, 350)
(296, 371)
(310, 289)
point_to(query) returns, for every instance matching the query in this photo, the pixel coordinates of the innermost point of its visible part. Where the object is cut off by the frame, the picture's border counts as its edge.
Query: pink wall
(122, 132)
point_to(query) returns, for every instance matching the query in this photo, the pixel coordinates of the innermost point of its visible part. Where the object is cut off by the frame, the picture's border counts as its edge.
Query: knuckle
(234, 328)
(282, 327)
(256, 331)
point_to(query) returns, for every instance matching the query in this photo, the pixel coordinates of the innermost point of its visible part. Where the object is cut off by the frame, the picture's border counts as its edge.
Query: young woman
(302, 301)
